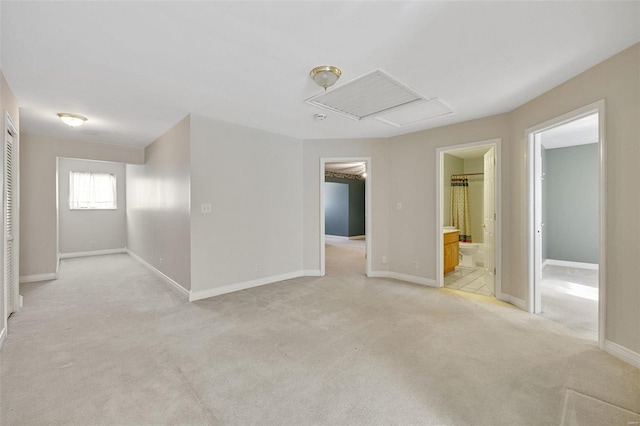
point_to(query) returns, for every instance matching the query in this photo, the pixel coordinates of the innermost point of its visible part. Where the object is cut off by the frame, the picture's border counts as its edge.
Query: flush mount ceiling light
(71, 120)
(325, 75)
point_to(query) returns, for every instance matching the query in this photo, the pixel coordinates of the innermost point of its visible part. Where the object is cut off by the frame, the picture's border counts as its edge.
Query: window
(92, 191)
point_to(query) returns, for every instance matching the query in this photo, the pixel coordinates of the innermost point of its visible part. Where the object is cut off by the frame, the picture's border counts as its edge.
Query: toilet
(467, 250)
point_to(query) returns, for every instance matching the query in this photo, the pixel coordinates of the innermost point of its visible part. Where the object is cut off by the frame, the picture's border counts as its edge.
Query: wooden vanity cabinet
(451, 249)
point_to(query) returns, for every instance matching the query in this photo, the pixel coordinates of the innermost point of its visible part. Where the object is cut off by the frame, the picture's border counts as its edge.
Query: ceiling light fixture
(325, 75)
(71, 120)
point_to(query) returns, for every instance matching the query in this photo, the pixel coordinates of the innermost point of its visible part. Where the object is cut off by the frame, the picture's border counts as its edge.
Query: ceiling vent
(416, 113)
(372, 94)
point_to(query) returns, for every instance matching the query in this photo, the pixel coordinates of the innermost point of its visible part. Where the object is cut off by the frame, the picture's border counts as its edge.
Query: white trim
(312, 273)
(38, 278)
(533, 289)
(203, 294)
(3, 337)
(183, 291)
(404, 277)
(570, 264)
(368, 211)
(620, 352)
(515, 301)
(497, 143)
(91, 253)
(342, 237)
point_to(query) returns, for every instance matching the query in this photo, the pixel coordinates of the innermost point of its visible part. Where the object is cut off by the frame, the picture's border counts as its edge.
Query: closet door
(10, 275)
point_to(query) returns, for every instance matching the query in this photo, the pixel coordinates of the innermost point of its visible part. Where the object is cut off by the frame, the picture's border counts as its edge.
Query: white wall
(158, 210)
(38, 163)
(476, 197)
(412, 176)
(617, 81)
(88, 230)
(253, 181)
(412, 230)
(377, 178)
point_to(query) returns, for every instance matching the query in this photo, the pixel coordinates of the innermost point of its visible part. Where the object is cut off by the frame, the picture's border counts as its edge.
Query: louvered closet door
(9, 269)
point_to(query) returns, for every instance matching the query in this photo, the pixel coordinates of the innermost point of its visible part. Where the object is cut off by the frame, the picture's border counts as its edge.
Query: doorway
(91, 208)
(566, 220)
(345, 221)
(468, 217)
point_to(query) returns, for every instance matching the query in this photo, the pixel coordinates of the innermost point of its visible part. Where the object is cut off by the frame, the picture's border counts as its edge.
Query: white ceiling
(469, 153)
(577, 132)
(136, 68)
(357, 168)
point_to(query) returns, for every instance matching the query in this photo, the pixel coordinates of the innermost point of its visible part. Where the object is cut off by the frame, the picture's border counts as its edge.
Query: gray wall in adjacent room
(344, 207)
(571, 203)
(336, 209)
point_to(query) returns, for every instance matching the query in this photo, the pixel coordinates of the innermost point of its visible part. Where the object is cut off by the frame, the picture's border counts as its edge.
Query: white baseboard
(569, 264)
(91, 253)
(38, 277)
(203, 294)
(404, 277)
(3, 337)
(312, 273)
(183, 291)
(515, 301)
(620, 352)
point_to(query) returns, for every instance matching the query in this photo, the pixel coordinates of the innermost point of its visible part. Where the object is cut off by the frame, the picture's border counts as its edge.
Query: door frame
(534, 249)
(367, 207)
(440, 209)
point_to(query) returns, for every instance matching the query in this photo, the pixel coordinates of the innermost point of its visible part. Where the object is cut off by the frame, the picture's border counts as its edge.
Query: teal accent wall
(344, 207)
(570, 202)
(336, 209)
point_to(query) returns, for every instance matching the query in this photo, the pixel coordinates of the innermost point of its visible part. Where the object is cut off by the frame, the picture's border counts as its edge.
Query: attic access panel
(370, 94)
(416, 113)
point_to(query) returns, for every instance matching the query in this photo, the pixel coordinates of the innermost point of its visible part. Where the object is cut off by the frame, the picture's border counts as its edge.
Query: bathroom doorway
(345, 222)
(468, 219)
(566, 219)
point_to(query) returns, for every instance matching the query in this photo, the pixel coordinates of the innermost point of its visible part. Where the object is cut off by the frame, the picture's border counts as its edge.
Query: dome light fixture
(325, 75)
(71, 120)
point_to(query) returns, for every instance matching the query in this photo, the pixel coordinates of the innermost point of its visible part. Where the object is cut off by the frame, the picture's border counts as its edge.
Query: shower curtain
(459, 216)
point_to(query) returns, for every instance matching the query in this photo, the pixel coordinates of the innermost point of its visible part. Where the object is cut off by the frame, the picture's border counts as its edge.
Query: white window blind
(92, 191)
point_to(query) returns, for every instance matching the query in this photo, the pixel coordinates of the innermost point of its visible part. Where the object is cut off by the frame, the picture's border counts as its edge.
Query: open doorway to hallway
(344, 216)
(91, 208)
(468, 230)
(566, 204)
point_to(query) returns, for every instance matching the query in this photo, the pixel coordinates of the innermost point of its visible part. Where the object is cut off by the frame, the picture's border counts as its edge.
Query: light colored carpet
(108, 343)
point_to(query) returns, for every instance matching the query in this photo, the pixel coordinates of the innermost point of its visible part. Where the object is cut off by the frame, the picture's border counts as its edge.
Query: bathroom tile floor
(469, 279)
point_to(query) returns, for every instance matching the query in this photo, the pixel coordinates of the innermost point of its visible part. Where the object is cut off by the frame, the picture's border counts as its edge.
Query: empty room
(323, 212)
